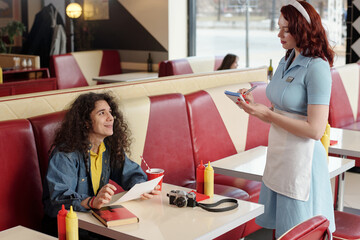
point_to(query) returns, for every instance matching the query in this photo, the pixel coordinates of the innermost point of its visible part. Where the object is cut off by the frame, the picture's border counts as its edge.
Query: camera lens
(180, 202)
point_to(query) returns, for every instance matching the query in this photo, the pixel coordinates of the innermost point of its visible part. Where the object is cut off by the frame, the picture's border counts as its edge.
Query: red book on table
(114, 215)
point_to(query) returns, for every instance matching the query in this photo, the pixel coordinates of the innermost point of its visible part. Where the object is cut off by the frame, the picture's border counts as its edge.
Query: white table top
(251, 164)
(160, 220)
(127, 77)
(348, 142)
(23, 233)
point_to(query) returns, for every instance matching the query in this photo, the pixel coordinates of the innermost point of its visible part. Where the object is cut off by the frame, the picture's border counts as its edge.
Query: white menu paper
(136, 191)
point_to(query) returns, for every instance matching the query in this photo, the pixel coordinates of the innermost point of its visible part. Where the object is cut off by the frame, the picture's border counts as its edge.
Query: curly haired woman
(296, 184)
(88, 150)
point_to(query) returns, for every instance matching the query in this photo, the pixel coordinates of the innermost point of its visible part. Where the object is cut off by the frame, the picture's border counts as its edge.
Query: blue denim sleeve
(131, 174)
(67, 184)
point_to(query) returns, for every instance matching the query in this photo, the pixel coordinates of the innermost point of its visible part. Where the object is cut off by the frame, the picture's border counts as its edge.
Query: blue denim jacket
(67, 181)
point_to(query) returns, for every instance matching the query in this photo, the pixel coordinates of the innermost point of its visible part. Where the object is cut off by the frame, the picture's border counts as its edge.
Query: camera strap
(210, 206)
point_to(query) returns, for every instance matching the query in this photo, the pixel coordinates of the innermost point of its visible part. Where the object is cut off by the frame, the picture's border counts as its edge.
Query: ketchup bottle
(200, 178)
(209, 180)
(61, 224)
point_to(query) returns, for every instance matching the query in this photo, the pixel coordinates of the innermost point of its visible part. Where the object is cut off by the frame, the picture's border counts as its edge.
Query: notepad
(115, 215)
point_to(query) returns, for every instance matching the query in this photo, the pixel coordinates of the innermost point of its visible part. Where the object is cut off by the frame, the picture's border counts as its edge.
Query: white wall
(178, 29)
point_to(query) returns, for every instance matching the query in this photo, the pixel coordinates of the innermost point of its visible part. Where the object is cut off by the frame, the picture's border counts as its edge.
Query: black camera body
(182, 199)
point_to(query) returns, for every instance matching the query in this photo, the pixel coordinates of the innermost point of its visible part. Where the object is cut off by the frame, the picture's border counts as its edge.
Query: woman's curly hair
(310, 38)
(73, 134)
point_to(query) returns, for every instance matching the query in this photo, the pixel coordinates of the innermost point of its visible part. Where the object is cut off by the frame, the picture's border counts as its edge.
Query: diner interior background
(220, 29)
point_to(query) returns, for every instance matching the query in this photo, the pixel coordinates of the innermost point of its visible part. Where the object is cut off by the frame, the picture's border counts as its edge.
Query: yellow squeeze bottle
(209, 180)
(72, 229)
(1, 76)
(325, 139)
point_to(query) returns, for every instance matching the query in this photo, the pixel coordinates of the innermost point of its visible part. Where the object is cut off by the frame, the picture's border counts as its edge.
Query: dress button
(83, 179)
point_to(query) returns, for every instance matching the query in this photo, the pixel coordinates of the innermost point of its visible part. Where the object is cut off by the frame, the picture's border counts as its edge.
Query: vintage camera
(181, 198)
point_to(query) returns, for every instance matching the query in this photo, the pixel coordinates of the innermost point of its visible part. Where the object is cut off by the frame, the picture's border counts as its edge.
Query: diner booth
(177, 113)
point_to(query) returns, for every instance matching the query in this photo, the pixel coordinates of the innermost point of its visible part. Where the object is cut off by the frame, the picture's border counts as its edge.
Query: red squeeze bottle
(200, 178)
(61, 223)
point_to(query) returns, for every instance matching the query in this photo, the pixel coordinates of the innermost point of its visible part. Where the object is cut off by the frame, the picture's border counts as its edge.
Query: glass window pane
(221, 29)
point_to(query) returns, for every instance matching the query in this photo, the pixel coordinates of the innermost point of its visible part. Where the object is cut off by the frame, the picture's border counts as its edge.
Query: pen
(248, 91)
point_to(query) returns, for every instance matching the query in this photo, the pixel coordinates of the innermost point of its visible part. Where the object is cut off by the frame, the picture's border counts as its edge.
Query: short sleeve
(318, 81)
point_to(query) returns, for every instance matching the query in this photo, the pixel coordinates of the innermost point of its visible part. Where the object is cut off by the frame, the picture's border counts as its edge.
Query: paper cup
(155, 173)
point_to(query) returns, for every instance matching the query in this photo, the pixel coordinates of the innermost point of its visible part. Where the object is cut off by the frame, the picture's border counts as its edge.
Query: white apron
(289, 161)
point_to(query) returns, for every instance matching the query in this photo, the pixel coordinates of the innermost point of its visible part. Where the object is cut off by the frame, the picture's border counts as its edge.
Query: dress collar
(300, 60)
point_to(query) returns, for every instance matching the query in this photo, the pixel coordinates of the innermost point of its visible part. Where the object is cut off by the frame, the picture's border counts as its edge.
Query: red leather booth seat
(168, 145)
(347, 226)
(20, 185)
(44, 131)
(211, 139)
(341, 113)
(187, 65)
(70, 73)
(24, 155)
(344, 109)
(27, 86)
(315, 228)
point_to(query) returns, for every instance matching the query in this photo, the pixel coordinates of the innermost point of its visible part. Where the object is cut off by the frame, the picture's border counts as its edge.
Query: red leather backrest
(168, 142)
(258, 131)
(315, 228)
(44, 131)
(110, 63)
(210, 131)
(211, 140)
(340, 113)
(21, 187)
(182, 66)
(67, 71)
(179, 67)
(27, 86)
(163, 69)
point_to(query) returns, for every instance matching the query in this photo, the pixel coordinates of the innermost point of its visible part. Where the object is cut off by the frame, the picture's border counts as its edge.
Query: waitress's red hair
(311, 38)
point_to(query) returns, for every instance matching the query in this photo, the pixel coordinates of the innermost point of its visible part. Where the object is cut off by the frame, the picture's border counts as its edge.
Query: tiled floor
(351, 203)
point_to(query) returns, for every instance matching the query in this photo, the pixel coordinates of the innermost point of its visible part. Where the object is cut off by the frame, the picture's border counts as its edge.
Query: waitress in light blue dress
(296, 184)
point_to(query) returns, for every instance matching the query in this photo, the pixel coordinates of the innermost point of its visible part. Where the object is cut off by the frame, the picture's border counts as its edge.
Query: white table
(160, 220)
(126, 77)
(348, 145)
(23, 233)
(251, 164)
(348, 142)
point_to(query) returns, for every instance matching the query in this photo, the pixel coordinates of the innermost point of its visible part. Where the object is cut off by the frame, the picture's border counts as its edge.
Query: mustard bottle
(209, 180)
(72, 229)
(1, 76)
(325, 139)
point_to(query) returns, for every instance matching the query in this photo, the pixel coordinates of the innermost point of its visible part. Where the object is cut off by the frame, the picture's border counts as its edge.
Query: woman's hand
(249, 106)
(103, 196)
(256, 109)
(248, 97)
(156, 191)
